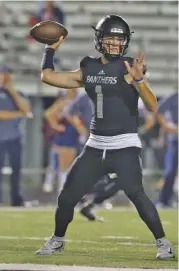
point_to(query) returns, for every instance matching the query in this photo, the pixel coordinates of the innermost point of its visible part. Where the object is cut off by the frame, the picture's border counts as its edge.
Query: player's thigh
(85, 171)
(127, 164)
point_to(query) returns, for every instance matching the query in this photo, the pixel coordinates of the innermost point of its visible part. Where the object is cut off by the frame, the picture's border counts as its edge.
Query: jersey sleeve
(84, 61)
(83, 64)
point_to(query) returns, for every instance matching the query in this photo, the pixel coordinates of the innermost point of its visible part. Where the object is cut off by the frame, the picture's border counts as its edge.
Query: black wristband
(47, 59)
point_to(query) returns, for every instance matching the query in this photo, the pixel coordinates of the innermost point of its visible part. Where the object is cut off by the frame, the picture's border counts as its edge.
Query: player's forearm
(147, 96)
(20, 102)
(63, 79)
(8, 115)
(47, 78)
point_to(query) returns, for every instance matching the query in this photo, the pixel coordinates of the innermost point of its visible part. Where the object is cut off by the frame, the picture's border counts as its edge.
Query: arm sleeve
(83, 64)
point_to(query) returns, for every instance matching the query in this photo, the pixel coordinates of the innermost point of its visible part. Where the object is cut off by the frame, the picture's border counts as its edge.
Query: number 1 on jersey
(98, 90)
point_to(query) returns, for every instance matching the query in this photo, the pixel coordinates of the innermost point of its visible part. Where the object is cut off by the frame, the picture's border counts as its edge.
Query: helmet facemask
(100, 44)
(114, 46)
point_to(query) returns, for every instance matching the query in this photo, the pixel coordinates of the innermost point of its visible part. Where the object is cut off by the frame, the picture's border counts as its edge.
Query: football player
(114, 83)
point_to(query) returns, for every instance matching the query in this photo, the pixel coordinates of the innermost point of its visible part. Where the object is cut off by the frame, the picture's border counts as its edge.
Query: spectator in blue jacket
(13, 109)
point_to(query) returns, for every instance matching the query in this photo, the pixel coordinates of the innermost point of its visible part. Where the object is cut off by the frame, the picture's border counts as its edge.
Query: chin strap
(112, 57)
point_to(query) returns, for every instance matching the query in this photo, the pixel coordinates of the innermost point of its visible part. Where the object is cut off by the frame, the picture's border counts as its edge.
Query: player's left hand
(136, 70)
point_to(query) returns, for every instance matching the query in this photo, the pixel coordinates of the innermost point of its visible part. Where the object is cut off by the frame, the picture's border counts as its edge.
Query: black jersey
(114, 101)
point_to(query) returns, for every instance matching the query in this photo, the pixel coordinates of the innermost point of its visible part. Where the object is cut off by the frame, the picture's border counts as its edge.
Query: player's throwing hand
(56, 44)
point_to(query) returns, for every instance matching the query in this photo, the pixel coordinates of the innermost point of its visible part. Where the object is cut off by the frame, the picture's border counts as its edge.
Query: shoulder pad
(86, 60)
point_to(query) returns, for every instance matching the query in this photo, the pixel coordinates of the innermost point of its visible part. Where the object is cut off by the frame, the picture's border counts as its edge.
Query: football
(48, 32)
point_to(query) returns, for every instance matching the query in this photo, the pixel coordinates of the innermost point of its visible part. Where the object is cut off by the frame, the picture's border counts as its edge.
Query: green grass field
(122, 240)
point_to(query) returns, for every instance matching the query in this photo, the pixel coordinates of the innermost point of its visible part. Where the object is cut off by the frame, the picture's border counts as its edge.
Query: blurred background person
(48, 11)
(167, 116)
(64, 139)
(51, 12)
(13, 109)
